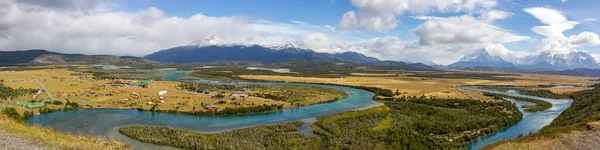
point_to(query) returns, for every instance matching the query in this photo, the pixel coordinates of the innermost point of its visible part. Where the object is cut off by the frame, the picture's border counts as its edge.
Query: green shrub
(12, 113)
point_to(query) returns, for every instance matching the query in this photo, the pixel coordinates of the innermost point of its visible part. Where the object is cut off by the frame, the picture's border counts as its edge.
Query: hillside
(47, 57)
(576, 128)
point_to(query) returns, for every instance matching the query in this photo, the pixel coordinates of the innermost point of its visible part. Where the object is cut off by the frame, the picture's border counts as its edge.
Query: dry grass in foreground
(48, 137)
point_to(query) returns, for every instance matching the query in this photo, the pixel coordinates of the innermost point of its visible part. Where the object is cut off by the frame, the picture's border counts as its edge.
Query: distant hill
(213, 49)
(47, 57)
(399, 64)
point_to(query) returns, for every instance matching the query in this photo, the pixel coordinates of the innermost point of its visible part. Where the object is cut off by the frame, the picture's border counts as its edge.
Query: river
(105, 122)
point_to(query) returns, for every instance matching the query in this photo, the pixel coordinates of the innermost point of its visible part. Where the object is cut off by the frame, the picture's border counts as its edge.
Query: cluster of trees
(13, 114)
(278, 136)
(408, 123)
(7, 93)
(417, 123)
(227, 111)
(540, 105)
(249, 110)
(544, 93)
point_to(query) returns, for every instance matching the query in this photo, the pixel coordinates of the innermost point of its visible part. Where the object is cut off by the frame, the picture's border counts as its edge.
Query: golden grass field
(438, 87)
(65, 86)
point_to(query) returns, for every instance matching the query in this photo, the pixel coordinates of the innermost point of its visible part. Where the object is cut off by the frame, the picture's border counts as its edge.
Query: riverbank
(15, 135)
(575, 127)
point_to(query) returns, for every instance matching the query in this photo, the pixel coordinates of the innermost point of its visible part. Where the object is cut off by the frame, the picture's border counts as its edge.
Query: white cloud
(556, 22)
(322, 42)
(494, 15)
(585, 38)
(381, 15)
(464, 29)
(72, 30)
(590, 19)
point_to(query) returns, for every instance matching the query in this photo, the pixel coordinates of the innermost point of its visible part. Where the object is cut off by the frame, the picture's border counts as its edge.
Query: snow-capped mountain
(213, 40)
(571, 60)
(214, 49)
(481, 58)
(284, 46)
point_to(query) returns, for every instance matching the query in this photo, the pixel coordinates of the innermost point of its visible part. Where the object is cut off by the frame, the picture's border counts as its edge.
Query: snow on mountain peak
(213, 40)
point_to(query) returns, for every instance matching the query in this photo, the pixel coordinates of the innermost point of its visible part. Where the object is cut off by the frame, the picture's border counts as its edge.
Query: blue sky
(438, 31)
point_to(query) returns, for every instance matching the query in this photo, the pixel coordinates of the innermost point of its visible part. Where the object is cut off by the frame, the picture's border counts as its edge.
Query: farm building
(145, 83)
(238, 94)
(211, 107)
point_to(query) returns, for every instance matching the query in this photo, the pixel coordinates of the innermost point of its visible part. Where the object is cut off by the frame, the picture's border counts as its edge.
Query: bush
(12, 113)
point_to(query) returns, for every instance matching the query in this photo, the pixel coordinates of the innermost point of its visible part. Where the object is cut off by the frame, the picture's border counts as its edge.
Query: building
(145, 83)
(238, 94)
(211, 107)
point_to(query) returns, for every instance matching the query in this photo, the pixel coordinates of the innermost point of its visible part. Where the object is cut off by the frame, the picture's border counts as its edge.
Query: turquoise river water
(105, 122)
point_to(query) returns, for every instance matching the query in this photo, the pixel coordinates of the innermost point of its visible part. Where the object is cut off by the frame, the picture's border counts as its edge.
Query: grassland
(48, 137)
(441, 87)
(83, 89)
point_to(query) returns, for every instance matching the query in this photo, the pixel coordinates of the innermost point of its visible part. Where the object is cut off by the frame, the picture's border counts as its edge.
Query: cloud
(56, 28)
(381, 15)
(394, 48)
(585, 38)
(463, 29)
(556, 22)
(494, 15)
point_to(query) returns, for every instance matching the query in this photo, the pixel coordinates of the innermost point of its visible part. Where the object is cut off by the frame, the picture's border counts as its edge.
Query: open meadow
(89, 92)
(442, 87)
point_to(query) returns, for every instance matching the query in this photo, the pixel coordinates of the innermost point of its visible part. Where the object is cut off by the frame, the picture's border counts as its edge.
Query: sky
(428, 31)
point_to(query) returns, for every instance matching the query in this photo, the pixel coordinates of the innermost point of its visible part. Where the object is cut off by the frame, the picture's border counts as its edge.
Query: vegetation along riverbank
(410, 123)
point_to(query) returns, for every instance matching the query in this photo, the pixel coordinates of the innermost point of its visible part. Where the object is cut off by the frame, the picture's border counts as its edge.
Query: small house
(145, 83)
(211, 108)
(238, 94)
(162, 93)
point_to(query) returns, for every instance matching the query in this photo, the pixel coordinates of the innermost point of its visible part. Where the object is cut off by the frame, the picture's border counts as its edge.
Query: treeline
(544, 93)
(280, 136)
(227, 111)
(7, 93)
(420, 123)
(540, 105)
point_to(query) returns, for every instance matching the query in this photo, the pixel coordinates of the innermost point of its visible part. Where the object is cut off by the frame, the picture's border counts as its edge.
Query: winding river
(105, 122)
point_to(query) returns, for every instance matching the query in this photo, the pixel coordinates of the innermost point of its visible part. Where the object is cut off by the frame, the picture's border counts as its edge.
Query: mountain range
(544, 60)
(46, 57)
(214, 49)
